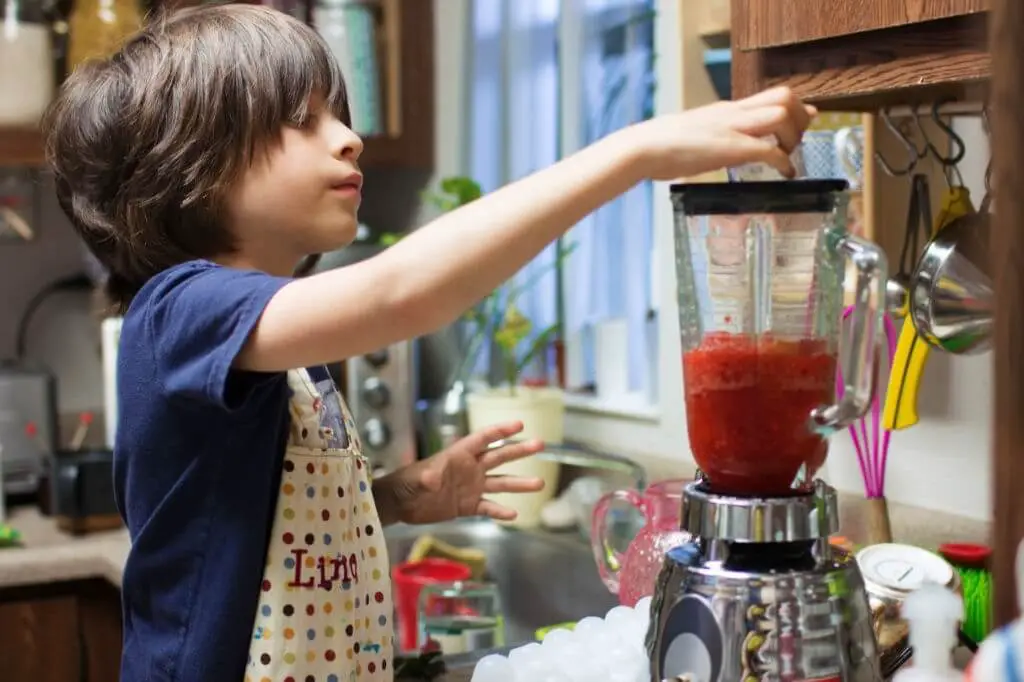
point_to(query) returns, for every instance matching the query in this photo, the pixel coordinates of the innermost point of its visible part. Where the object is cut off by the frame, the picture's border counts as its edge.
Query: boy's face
(300, 197)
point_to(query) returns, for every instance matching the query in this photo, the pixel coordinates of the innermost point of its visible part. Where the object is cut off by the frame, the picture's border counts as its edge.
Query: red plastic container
(409, 578)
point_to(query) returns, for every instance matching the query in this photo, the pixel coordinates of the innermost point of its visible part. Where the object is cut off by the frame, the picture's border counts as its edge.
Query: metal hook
(912, 150)
(956, 142)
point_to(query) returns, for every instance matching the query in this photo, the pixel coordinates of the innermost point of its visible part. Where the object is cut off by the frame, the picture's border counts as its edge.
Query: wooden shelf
(406, 36)
(713, 19)
(912, 63)
(773, 23)
(21, 147)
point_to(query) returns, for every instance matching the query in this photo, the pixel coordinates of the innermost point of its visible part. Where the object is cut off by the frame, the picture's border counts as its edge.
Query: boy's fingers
(495, 457)
(512, 484)
(495, 511)
(484, 439)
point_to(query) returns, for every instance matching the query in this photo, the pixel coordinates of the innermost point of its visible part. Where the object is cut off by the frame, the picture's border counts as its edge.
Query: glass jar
(349, 29)
(27, 76)
(460, 617)
(98, 27)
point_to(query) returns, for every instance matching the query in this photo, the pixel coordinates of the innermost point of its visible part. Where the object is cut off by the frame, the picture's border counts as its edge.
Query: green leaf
(463, 189)
(539, 343)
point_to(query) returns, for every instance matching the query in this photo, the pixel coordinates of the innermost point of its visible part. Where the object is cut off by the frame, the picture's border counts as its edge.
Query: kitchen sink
(543, 578)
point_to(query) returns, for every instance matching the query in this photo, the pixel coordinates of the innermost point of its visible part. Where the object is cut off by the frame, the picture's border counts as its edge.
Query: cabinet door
(39, 640)
(99, 612)
(758, 24)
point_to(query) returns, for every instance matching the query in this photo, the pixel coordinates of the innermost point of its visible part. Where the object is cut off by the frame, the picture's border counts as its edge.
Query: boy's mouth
(351, 183)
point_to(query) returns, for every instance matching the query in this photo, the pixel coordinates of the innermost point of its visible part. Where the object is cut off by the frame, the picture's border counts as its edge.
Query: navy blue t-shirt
(197, 466)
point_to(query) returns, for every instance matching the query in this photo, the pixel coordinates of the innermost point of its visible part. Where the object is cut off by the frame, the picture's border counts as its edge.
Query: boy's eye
(307, 122)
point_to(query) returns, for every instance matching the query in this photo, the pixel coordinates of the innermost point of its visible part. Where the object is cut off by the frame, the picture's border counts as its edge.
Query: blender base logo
(692, 644)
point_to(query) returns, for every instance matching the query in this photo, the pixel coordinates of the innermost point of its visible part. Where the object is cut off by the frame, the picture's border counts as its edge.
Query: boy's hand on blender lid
(763, 128)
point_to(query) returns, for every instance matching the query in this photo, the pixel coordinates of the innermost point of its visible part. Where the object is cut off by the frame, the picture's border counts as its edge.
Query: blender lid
(740, 198)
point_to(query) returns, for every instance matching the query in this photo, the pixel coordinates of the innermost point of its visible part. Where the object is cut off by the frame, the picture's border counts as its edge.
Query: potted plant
(497, 323)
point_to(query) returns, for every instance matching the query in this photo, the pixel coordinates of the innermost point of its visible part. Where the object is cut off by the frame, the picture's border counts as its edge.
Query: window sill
(631, 407)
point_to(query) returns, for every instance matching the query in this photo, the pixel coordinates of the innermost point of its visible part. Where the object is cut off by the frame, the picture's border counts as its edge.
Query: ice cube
(618, 617)
(569, 652)
(636, 631)
(643, 607)
(553, 676)
(493, 668)
(586, 668)
(520, 656)
(599, 642)
(625, 666)
(590, 625)
(556, 638)
(532, 669)
(621, 673)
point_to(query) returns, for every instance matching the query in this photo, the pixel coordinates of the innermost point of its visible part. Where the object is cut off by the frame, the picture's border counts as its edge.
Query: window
(549, 77)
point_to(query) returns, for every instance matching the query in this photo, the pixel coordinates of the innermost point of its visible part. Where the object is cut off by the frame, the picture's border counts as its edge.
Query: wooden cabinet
(39, 639)
(860, 55)
(405, 34)
(68, 632)
(773, 23)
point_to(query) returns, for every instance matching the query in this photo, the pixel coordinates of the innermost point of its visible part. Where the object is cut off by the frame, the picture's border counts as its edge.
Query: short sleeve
(199, 316)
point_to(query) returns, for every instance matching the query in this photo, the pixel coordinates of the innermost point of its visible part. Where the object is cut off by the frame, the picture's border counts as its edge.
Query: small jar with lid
(28, 76)
(97, 28)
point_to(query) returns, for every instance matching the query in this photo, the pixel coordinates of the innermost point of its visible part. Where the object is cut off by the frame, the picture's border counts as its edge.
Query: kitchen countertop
(49, 555)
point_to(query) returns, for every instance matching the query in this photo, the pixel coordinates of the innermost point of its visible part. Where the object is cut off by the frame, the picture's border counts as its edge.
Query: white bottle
(933, 613)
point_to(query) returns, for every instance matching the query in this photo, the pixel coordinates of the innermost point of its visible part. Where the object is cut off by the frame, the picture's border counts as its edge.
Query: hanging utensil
(872, 445)
(951, 296)
(912, 349)
(900, 409)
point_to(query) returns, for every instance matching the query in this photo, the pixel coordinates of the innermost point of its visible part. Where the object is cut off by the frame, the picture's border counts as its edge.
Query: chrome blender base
(759, 595)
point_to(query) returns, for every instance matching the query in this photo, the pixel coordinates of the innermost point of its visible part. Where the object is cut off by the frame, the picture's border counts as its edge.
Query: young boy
(202, 163)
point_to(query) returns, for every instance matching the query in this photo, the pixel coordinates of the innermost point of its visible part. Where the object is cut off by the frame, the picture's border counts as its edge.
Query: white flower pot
(542, 411)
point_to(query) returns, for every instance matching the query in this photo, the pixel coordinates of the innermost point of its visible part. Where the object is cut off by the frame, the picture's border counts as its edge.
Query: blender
(759, 593)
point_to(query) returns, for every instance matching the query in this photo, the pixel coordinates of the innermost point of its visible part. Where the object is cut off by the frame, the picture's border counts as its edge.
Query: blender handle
(859, 356)
(608, 559)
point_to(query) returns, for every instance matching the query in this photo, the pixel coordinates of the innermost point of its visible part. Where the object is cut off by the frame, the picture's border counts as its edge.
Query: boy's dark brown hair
(144, 144)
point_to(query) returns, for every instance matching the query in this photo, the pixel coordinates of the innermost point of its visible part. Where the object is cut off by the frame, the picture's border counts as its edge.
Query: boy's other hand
(452, 483)
(722, 135)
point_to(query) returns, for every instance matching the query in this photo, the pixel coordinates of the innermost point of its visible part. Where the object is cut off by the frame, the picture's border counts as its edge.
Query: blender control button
(377, 358)
(375, 393)
(376, 434)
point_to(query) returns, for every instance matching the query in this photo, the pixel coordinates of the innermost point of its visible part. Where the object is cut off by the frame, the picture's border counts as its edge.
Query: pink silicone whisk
(871, 444)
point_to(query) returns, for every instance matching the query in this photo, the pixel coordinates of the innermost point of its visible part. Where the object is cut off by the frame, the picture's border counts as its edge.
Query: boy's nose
(345, 143)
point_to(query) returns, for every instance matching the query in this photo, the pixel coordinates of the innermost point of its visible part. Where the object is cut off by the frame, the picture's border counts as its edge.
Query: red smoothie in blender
(748, 406)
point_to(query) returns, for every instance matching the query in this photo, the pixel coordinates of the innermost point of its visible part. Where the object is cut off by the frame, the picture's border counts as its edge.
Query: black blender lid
(739, 198)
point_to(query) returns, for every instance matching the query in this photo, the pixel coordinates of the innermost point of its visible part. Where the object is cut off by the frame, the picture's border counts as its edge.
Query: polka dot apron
(325, 612)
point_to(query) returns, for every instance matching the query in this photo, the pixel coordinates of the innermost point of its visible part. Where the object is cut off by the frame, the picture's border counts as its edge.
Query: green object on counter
(539, 634)
(9, 537)
(976, 584)
(972, 564)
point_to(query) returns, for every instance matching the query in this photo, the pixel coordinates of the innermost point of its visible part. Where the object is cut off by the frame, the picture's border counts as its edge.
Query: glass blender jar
(760, 269)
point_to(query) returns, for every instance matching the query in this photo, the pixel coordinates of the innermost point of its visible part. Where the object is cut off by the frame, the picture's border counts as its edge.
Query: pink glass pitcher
(631, 576)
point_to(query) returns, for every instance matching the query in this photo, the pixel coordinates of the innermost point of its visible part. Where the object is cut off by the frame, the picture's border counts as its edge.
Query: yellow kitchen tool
(428, 546)
(900, 410)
